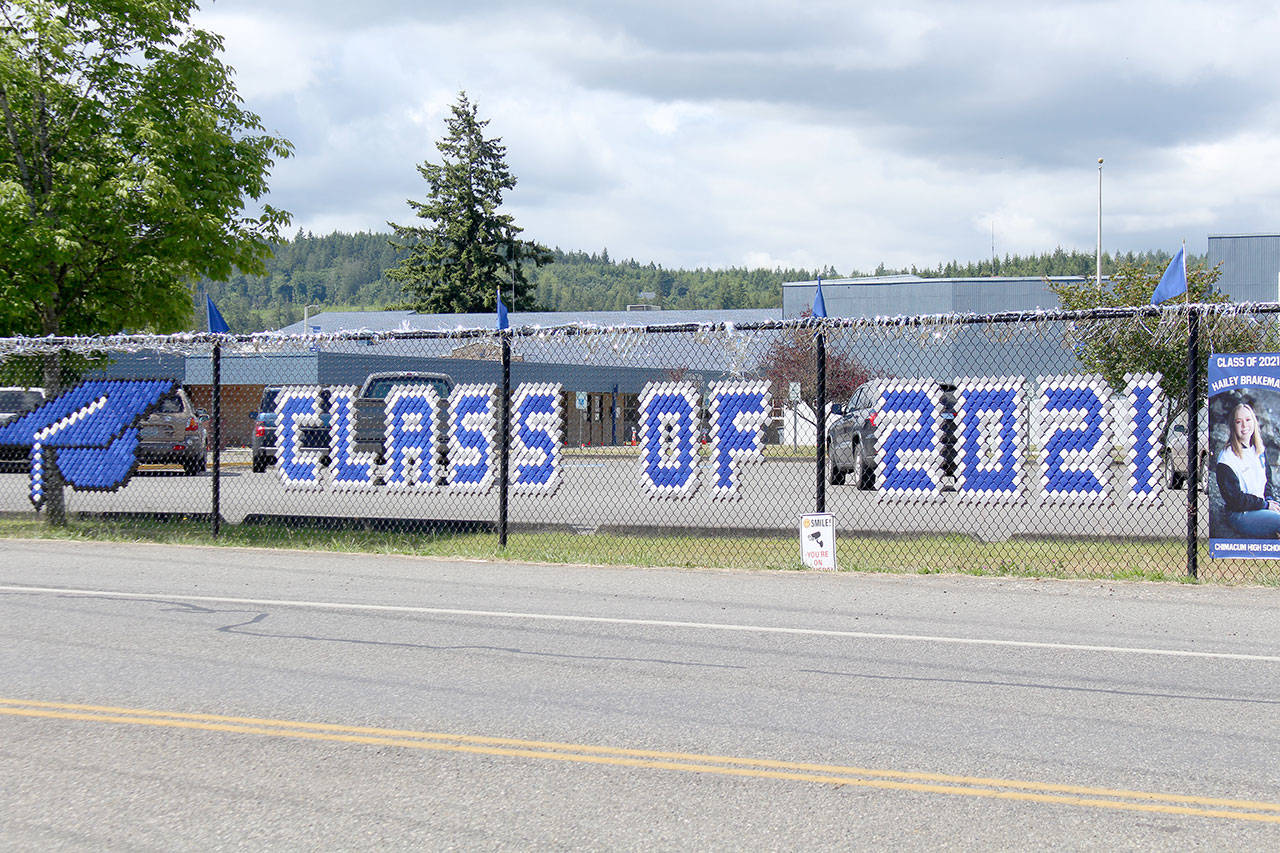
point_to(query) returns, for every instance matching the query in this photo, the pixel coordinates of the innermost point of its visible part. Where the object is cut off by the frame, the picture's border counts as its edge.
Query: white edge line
(658, 623)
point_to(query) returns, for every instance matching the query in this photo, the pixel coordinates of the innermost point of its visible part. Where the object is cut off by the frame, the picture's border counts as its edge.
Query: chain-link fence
(1048, 443)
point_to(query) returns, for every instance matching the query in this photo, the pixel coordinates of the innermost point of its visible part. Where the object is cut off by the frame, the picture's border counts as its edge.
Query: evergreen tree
(468, 249)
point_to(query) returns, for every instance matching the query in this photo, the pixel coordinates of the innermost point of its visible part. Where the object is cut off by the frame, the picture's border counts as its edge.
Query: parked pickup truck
(371, 419)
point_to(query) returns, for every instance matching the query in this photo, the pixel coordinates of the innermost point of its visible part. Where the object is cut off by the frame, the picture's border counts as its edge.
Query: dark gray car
(19, 401)
(263, 442)
(851, 437)
(15, 402)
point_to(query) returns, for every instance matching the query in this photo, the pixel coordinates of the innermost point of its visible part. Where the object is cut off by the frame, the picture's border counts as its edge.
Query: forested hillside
(578, 281)
(347, 272)
(334, 271)
(1057, 262)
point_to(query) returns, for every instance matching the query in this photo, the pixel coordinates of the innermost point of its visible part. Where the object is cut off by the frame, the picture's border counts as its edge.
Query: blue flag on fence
(503, 323)
(217, 325)
(1174, 281)
(819, 305)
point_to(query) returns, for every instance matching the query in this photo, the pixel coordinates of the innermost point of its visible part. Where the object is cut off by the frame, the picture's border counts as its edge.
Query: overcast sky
(767, 133)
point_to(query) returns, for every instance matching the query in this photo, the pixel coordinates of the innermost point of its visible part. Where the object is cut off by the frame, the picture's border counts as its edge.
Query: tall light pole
(513, 260)
(1098, 273)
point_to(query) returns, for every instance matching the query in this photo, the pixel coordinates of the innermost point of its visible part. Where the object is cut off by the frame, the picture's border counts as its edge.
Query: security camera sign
(818, 541)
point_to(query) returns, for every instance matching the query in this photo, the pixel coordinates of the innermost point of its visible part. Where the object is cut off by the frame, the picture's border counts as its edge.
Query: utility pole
(1098, 278)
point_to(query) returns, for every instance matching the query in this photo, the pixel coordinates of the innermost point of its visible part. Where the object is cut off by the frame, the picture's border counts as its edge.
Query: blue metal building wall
(292, 369)
(893, 296)
(342, 368)
(1250, 265)
(141, 365)
(967, 351)
(352, 368)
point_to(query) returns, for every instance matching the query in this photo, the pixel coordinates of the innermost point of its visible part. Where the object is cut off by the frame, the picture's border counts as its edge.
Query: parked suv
(851, 437)
(175, 433)
(263, 442)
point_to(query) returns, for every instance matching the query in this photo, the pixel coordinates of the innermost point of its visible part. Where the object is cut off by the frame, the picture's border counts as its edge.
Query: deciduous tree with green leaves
(126, 162)
(126, 159)
(468, 249)
(1113, 348)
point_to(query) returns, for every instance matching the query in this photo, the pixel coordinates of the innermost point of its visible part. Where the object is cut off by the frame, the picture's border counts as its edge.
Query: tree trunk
(51, 368)
(54, 498)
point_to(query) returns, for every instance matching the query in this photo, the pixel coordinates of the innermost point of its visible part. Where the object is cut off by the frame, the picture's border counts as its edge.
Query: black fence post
(1193, 441)
(217, 438)
(613, 416)
(820, 419)
(504, 438)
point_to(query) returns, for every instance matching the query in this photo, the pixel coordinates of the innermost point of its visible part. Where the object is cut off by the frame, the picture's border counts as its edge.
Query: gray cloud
(956, 111)
(815, 132)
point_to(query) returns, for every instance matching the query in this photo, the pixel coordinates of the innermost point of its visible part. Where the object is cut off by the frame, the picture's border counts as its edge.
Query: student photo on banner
(1244, 464)
(1243, 476)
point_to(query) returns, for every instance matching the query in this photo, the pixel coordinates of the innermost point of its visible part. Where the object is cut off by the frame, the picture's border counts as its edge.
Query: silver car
(175, 433)
(1175, 452)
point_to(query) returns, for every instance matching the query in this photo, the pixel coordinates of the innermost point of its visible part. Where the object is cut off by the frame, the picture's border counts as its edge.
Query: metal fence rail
(941, 442)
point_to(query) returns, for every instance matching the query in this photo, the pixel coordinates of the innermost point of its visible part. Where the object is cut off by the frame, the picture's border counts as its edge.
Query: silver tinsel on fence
(736, 350)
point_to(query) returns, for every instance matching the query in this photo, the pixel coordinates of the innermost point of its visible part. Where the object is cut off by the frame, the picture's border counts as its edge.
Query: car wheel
(860, 479)
(1173, 478)
(194, 466)
(835, 475)
(259, 464)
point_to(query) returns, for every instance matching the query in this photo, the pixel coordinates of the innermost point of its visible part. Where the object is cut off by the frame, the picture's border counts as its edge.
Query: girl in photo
(1243, 479)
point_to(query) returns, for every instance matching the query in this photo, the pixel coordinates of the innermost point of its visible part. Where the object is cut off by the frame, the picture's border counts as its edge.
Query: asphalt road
(606, 493)
(155, 697)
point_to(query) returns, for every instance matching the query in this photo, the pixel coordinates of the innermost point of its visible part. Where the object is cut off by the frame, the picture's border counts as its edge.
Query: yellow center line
(1144, 801)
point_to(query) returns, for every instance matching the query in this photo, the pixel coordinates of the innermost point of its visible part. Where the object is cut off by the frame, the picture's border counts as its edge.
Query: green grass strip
(1032, 558)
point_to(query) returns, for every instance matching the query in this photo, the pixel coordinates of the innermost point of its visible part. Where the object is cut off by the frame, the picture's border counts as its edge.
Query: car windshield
(380, 388)
(269, 400)
(19, 401)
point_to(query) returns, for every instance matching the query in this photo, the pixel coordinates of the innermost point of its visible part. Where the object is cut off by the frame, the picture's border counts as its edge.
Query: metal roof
(386, 321)
(916, 279)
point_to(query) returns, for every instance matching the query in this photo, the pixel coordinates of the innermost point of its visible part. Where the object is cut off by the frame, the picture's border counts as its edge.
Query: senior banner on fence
(1244, 446)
